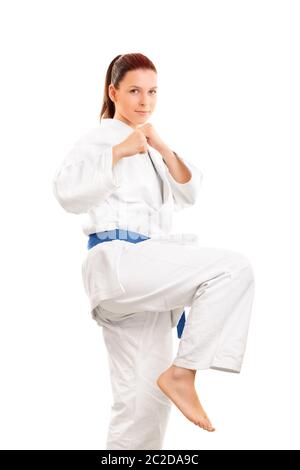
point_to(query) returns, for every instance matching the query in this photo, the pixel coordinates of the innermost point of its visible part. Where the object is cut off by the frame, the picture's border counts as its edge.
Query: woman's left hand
(152, 137)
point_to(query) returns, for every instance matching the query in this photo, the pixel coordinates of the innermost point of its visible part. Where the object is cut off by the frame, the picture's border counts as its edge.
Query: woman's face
(137, 92)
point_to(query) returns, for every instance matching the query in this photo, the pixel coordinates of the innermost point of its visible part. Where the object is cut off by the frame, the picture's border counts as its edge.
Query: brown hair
(115, 74)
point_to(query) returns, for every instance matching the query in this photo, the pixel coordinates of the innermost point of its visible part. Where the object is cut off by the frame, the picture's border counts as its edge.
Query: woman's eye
(154, 91)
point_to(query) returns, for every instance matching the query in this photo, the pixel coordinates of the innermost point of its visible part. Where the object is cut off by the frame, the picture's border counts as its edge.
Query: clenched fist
(135, 143)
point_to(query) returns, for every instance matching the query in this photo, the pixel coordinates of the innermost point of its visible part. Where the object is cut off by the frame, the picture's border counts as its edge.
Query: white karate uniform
(137, 291)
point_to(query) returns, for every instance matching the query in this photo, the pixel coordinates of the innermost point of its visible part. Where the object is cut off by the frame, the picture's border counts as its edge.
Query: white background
(228, 100)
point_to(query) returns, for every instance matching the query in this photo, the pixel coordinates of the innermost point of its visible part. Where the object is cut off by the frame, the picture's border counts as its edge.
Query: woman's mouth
(143, 113)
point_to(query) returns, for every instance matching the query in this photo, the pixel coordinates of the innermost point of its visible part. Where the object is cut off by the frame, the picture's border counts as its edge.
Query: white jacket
(132, 195)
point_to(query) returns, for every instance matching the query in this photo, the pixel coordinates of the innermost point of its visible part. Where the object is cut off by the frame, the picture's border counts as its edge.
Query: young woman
(138, 275)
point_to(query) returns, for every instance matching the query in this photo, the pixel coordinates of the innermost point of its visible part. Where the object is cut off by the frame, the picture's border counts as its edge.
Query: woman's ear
(111, 92)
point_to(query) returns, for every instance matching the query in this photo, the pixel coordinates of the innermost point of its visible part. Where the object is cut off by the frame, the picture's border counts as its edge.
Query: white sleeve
(185, 194)
(85, 178)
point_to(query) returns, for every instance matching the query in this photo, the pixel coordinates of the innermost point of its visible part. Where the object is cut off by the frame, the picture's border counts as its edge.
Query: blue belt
(132, 237)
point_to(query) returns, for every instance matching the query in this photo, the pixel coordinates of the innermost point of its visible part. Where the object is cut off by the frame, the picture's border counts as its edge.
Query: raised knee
(244, 266)
(239, 263)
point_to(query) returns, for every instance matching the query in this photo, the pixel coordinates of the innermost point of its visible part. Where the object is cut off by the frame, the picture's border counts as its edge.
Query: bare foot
(178, 384)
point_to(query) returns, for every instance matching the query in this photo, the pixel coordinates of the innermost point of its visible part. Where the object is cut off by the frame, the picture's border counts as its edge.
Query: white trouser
(218, 285)
(139, 350)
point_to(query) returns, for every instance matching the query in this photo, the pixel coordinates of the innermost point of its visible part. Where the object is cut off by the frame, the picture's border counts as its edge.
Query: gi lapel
(158, 165)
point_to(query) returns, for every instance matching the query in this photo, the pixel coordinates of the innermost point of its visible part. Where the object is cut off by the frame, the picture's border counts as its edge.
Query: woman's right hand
(135, 143)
